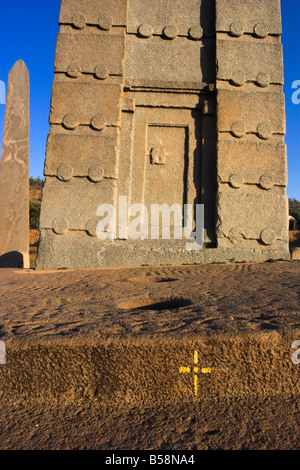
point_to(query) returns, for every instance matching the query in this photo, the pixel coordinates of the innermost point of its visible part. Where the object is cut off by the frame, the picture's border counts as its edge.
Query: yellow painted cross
(195, 369)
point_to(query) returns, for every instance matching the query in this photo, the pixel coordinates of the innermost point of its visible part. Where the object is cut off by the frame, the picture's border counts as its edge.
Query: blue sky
(28, 31)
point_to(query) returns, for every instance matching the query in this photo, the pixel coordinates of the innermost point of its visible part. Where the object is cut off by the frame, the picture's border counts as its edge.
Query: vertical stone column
(252, 206)
(82, 155)
(14, 171)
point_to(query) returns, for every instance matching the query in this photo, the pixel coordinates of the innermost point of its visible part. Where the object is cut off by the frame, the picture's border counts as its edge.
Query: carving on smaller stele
(79, 21)
(91, 227)
(145, 30)
(60, 226)
(238, 78)
(263, 79)
(236, 29)
(170, 31)
(98, 122)
(157, 156)
(74, 70)
(196, 32)
(266, 181)
(95, 173)
(236, 180)
(236, 234)
(65, 172)
(268, 236)
(70, 121)
(105, 22)
(238, 129)
(264, 130)
(261, 30)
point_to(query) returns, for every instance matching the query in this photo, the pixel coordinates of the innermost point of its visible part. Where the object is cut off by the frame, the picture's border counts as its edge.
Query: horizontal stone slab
(255, 163)
(260, 113)
(184, 15)
(168, 99)
(101, 54)
(76, 249)
(70, 205)
(178, 60)
(241, 61)
(79, 155)
(244, 214)
(93, 104)
(259, 17)
(102, 13)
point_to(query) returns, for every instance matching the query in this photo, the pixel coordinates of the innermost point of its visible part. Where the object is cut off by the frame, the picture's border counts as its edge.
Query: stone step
(217, 366)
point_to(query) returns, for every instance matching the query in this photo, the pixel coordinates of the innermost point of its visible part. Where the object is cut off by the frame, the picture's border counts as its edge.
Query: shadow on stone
(12, 259)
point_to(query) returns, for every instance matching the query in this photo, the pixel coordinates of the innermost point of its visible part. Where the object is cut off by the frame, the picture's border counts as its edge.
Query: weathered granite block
(187, 16)
(260, 211)
(258, 17)
(74, 104)
(257, 112)
(14, 171)
(74, 203)
(261, 67)
(257, 163)
(101, 55)
(157, 59)
(81, 154)
(101, 13)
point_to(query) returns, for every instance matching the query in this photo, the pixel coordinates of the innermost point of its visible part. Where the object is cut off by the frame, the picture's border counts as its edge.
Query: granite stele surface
(168, 102)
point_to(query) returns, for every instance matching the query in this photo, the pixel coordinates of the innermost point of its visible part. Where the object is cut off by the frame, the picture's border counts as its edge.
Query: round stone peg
(74, 70)
(263, 79)
(264, 130)
(79, 21)
(238, 129)
(196, 32)
(236, 234)
(95, 173)
(70, 121)
(268, 236)
(266, 181)
(60, 226)
(236, 29)
(238, 78)
(170, 31)
(145, 30)
(101, 72)
(98, 122)
(91, 227)
(65, 172)
(105, 22)
(261, 30)
(236, 180)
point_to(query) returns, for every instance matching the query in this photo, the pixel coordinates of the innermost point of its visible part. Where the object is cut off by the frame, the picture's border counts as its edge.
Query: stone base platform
(177, 357)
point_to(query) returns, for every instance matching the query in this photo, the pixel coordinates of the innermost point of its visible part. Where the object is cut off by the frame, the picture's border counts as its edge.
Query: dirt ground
(166, 305)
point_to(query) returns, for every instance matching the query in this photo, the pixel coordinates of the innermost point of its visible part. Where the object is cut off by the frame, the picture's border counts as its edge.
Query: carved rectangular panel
(82, 12)
(263, 64)
(256, 112)
(99, 54)
(81, 154)
(180, 60)
(166, 165)
(85, 103)
(258, 163)
(183, 14)
(248, 15)
(73, 204)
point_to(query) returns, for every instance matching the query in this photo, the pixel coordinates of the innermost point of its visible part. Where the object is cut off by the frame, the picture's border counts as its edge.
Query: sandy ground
(153, 305)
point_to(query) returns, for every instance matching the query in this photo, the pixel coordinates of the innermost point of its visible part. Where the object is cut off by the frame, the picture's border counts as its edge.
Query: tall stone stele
(14, 171)
(166, 102)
